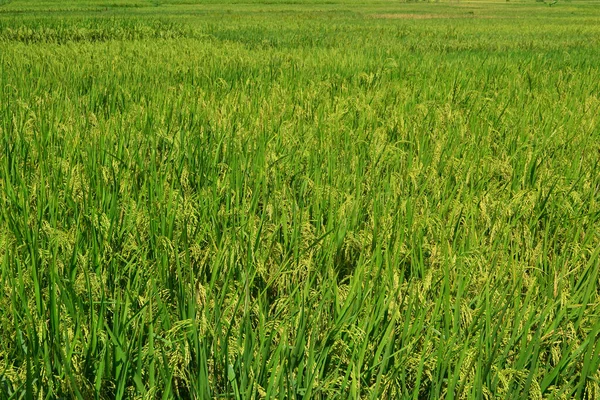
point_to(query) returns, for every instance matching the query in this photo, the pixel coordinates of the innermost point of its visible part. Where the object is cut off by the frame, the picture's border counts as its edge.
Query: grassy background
(299, 200)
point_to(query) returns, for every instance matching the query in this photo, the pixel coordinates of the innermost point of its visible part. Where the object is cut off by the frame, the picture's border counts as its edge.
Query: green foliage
(317, 201)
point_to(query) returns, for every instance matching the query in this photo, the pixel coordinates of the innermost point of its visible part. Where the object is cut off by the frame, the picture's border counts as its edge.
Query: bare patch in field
(426, 16)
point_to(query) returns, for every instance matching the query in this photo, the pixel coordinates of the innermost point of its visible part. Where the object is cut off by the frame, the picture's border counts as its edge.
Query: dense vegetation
(299, 200)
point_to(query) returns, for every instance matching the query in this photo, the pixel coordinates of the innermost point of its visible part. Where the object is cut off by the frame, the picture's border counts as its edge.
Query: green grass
(299, 200)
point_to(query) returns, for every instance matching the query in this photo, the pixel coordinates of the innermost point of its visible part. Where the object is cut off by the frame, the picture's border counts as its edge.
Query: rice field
(299, 199)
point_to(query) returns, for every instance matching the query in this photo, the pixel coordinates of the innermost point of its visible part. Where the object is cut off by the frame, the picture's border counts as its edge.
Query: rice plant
(299, 200)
